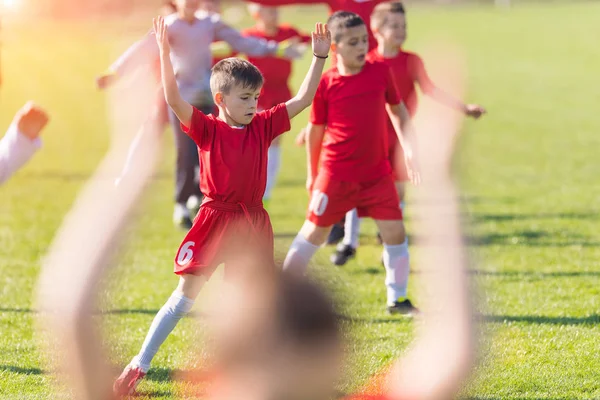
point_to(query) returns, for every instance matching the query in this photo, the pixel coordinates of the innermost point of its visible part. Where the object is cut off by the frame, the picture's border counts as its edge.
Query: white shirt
(190, 52)
(15, 150)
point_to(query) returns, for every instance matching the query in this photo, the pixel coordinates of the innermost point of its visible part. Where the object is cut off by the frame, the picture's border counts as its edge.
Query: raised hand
(160, 31)
(321, 40)
(31, 120)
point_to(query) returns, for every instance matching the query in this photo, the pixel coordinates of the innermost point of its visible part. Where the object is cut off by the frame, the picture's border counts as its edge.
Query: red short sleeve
(416, 69)
(318, 111)
(277, 121)
(199, 129)
(392, 96)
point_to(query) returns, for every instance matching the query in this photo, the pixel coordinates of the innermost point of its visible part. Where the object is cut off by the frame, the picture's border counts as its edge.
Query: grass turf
(527, 171)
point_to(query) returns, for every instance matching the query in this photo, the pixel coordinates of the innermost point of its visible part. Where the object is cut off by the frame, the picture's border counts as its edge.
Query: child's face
(393, 32)
(211, 6)
(353, 45)
(268, 15)
(240, 103)
(188, 7)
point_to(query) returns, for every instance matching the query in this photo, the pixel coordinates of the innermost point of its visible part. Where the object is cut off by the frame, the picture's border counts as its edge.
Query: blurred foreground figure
(22, 140)
(278, 336)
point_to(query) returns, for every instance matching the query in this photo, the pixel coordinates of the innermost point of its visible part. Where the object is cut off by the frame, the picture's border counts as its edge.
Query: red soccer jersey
(355, 148)
(233, 161)
(364, 8)
(407, 68)
(275, 70)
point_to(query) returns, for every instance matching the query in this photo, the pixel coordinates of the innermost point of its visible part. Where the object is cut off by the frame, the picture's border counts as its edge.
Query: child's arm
(314, 139)
(142, 52)
(253, 46)
(321, 39)
(406, 135)
(430, 89)
(440, 358)
(22, 139)
(182, 109)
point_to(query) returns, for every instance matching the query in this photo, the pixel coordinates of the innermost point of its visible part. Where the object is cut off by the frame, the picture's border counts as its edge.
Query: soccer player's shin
(299, 255)
(167, 318)
(396, 261)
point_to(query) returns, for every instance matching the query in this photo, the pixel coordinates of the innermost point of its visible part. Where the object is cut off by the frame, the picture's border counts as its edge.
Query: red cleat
(128, 380)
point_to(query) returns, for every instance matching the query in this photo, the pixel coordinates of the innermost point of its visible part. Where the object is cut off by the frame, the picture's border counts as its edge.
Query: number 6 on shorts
(185, 253)
(318, 203)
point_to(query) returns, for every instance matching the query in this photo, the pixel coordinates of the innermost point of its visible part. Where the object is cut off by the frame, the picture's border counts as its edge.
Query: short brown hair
(381, 11)
(232, 72)
(341, 20)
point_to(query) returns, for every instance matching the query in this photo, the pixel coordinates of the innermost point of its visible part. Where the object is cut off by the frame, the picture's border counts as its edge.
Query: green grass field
(528, 172)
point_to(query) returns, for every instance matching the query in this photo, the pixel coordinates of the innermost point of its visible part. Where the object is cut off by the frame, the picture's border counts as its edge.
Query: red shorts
(396, 157)
(331, 200)
(225, 233)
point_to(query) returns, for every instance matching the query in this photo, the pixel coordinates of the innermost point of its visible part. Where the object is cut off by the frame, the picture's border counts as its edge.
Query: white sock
(273, 163)
(180, 211)
(299, 255)
(351, 229)
(396, 261)
(169, 315)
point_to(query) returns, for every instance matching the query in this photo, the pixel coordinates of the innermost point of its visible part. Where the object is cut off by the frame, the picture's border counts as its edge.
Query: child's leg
(304, 246)
(273, 164)
(178, 305)
(185, 168)
(395, 259)
(351, 229)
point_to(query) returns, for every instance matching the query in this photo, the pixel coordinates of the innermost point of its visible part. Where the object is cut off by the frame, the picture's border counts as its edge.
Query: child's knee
(392, 232)
(313, 233)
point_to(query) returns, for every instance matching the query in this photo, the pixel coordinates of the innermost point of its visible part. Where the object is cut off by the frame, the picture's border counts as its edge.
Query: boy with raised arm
(231, 225)
(348, 164)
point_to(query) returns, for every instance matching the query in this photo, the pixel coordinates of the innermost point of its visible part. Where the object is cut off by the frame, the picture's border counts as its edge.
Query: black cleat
(403, 308)
(336, 234)
(342, 255)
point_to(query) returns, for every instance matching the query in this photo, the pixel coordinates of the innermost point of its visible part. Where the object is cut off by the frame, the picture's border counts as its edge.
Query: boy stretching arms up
(232, 224)
(354, 168)
(388, 24)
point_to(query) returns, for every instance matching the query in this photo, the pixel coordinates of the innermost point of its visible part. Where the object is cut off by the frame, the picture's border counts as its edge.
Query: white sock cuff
(178, 304)
(397, 249)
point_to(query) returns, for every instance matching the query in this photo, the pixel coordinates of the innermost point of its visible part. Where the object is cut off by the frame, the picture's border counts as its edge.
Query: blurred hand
(160, 30)
(106, 80)
(413, 169)
(321, 40)
(300, 139)
(293, 49)
(30, 120)
(310, 181)
(474, 111)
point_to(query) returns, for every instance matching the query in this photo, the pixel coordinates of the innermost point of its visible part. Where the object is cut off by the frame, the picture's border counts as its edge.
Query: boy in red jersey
(350, 167)
(388, 23)
(232, 224)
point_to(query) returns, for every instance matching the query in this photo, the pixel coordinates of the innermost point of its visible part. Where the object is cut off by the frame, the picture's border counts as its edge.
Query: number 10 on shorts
(318, 203)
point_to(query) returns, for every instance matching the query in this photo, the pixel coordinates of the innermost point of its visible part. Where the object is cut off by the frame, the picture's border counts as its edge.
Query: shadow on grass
(533, 397)
(593, 319)
(537, 216)
(19, 370)
(541, 274)
(195, 314)
(531, 238)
